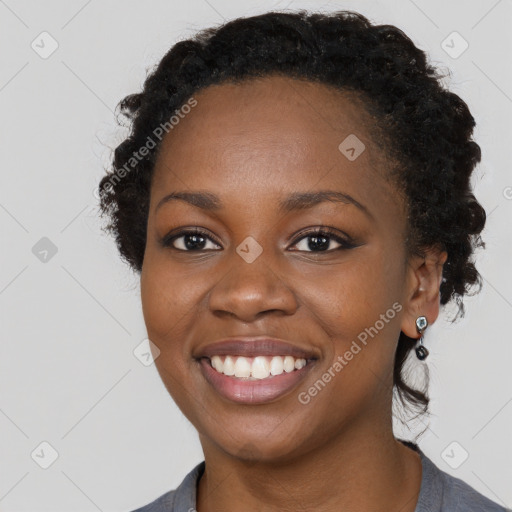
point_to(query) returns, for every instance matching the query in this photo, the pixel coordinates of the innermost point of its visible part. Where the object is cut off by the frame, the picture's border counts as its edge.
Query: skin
(253, 144)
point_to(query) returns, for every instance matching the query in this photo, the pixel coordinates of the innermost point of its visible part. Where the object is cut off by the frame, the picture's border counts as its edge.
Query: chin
(258, 445)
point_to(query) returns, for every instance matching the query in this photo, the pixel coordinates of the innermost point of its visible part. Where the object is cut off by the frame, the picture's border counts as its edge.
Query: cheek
(351, 296)
(375, 317)
(170, 299)
(356, 307)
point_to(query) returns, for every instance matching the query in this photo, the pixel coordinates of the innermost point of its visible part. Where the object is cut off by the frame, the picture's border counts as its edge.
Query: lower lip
(252, 391)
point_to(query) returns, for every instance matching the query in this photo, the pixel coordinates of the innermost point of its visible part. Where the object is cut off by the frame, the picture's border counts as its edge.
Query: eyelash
(321, 231)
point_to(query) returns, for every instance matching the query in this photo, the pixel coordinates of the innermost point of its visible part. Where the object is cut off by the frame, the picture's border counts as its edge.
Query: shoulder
(183, 498)
(459, 496)
(442, 492)
(164, 503)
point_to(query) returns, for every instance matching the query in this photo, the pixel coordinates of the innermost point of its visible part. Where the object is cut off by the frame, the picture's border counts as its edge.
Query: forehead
(272, 134)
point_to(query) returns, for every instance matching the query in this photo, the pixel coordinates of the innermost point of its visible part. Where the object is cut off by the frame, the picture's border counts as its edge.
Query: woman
(295, 194)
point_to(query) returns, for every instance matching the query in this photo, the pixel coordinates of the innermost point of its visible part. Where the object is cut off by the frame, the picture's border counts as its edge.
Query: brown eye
(191, 240)
(320, 240)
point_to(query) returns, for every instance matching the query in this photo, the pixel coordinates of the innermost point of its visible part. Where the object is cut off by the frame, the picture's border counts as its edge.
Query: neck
(363, 469)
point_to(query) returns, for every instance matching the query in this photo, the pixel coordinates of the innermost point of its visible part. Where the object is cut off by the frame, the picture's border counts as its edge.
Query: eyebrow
(296, 201)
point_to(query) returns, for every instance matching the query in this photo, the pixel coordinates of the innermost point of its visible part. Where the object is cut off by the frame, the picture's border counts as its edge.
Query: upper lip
(254, 346)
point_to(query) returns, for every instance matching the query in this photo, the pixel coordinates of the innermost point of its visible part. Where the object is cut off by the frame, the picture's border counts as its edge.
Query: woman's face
(258, 270)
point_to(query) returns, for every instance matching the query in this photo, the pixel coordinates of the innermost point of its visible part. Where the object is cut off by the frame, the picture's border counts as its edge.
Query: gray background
(70, 321)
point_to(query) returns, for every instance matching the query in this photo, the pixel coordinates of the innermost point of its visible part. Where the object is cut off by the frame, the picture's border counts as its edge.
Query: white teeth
(289, 364)
(259, 367)
(276, 365)
(218, 364)
(242, 367)
(300, 363)
(229, 366)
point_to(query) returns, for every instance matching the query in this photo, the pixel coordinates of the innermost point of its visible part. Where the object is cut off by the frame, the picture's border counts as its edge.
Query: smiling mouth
(256, 368)
(255, 379)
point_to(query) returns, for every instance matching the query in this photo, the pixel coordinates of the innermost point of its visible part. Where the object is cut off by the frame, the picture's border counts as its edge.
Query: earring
(421, 350)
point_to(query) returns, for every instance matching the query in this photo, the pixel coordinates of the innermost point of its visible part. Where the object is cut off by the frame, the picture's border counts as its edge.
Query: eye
(320, 240)
(316, 240)
(190, 240)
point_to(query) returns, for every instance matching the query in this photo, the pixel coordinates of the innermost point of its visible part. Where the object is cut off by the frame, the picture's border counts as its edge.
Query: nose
(248, 290)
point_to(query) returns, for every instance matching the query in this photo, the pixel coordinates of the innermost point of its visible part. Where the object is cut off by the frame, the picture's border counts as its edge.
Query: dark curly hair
(424, 129)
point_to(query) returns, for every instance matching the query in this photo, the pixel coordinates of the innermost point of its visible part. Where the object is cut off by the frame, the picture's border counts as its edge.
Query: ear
(423, 280)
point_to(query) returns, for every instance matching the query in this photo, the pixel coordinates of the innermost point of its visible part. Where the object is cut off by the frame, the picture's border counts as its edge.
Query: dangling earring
(421, 350)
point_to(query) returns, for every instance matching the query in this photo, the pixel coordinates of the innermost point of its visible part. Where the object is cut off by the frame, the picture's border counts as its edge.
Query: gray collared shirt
(439, 492)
